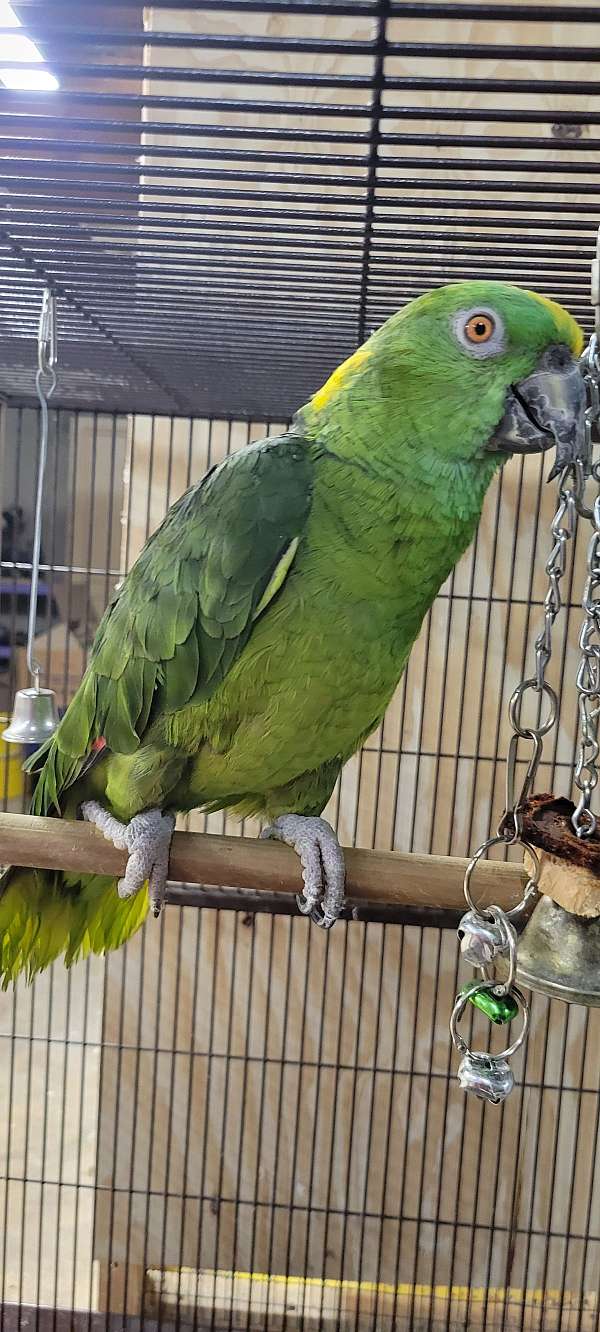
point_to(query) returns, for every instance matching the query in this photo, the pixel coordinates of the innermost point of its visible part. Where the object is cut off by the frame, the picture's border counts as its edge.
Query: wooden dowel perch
(388, 877)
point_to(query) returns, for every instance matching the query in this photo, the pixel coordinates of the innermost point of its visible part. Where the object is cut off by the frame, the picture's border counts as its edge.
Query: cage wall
(234, 1098)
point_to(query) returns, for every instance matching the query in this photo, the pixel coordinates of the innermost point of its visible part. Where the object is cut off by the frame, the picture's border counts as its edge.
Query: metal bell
(559, 955)
(34, 717)
(481, 940)
(487, 1077)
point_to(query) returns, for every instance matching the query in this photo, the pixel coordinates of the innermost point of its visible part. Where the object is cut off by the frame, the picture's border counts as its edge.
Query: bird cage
(237, 1120)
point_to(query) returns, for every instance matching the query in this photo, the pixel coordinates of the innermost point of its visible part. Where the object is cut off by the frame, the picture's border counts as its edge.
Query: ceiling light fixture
(21, 47)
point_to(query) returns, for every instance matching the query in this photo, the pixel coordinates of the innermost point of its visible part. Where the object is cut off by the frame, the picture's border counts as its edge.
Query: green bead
(499, 1008)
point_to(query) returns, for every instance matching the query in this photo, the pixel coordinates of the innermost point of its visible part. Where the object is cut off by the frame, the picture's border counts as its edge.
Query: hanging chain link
(584, 822)
(562, 529)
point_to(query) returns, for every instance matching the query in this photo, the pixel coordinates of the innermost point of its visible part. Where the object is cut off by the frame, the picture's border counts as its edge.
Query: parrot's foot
(147, 838)
(322, 861)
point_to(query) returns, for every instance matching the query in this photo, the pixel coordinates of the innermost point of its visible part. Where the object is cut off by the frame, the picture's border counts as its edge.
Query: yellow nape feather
(564, 321)
(339, 377)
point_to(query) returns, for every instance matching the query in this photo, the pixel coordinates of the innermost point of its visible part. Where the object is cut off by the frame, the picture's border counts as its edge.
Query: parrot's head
(476, 371)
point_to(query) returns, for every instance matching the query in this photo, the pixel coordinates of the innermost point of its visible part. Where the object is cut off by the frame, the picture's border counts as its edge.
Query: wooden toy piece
(559, 949)
(569, 865)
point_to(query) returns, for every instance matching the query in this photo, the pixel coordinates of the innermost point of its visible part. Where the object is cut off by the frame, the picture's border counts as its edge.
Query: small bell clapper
(34, 715)
(552, 956)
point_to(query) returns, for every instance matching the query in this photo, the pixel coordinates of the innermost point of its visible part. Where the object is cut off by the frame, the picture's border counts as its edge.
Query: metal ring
(460, 1005)
(516, 701)
(531, 887)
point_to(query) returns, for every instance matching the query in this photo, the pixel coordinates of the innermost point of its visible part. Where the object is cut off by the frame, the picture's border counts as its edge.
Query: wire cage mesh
(235, 1121)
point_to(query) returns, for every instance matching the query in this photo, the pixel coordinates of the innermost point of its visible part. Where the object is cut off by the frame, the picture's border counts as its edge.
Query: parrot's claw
(147, 838)
(322, 860)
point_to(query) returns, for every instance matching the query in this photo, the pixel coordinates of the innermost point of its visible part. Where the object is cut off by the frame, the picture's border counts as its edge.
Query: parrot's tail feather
(55, 774)
(45, 914)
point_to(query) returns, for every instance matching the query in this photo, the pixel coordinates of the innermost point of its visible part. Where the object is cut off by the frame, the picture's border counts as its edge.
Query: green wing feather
(186, 609)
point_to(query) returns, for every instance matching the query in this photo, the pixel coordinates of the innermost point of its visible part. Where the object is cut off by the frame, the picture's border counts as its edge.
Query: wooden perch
(388, 877)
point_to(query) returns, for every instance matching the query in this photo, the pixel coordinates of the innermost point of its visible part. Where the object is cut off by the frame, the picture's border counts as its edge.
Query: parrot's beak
(546, 409)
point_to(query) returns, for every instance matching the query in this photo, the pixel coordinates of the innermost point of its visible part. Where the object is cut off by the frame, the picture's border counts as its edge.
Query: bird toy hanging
(34, 717)
(558, 951)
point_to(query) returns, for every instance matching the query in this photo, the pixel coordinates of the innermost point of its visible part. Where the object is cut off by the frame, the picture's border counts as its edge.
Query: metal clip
(514, 804)
(47, 352)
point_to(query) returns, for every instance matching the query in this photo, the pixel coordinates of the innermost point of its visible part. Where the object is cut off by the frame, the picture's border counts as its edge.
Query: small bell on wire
(34, 717)
(35, 714)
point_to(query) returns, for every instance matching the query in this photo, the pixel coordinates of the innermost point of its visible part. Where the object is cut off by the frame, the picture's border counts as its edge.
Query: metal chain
(571, 502)
(562, 529)
(489, 1076)
(584, 822)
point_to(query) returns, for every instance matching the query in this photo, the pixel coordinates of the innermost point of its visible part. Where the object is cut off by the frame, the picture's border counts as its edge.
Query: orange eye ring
(479, 328)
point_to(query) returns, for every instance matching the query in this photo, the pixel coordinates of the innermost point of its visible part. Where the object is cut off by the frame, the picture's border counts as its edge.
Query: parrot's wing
(187, 607)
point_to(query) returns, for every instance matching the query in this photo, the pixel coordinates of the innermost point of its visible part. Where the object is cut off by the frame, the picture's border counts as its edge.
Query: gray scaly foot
(147, 838)
(322, 860)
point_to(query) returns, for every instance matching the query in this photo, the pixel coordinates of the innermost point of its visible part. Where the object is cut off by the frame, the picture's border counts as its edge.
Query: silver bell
(482, 940)
(34, 717)
(485, 1076)
(559, 955)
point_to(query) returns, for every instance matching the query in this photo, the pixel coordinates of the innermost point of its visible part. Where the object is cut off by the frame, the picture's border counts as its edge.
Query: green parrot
(260, 635)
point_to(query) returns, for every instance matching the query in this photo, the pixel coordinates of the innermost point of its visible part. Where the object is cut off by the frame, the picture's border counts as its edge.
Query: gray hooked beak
(546, 409)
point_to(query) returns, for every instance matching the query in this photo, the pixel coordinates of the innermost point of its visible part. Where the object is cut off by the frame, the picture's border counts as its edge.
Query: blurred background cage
(238, 1121)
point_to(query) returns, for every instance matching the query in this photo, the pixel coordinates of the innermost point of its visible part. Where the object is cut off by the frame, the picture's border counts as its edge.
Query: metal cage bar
(234, 1122)
(193, 121)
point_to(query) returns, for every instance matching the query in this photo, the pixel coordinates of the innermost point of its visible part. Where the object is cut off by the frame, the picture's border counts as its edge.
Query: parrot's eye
(479, 328)
(480, 332)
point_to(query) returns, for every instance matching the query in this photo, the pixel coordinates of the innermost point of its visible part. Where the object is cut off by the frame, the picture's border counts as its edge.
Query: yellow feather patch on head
(339, 377)
(566, 324)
